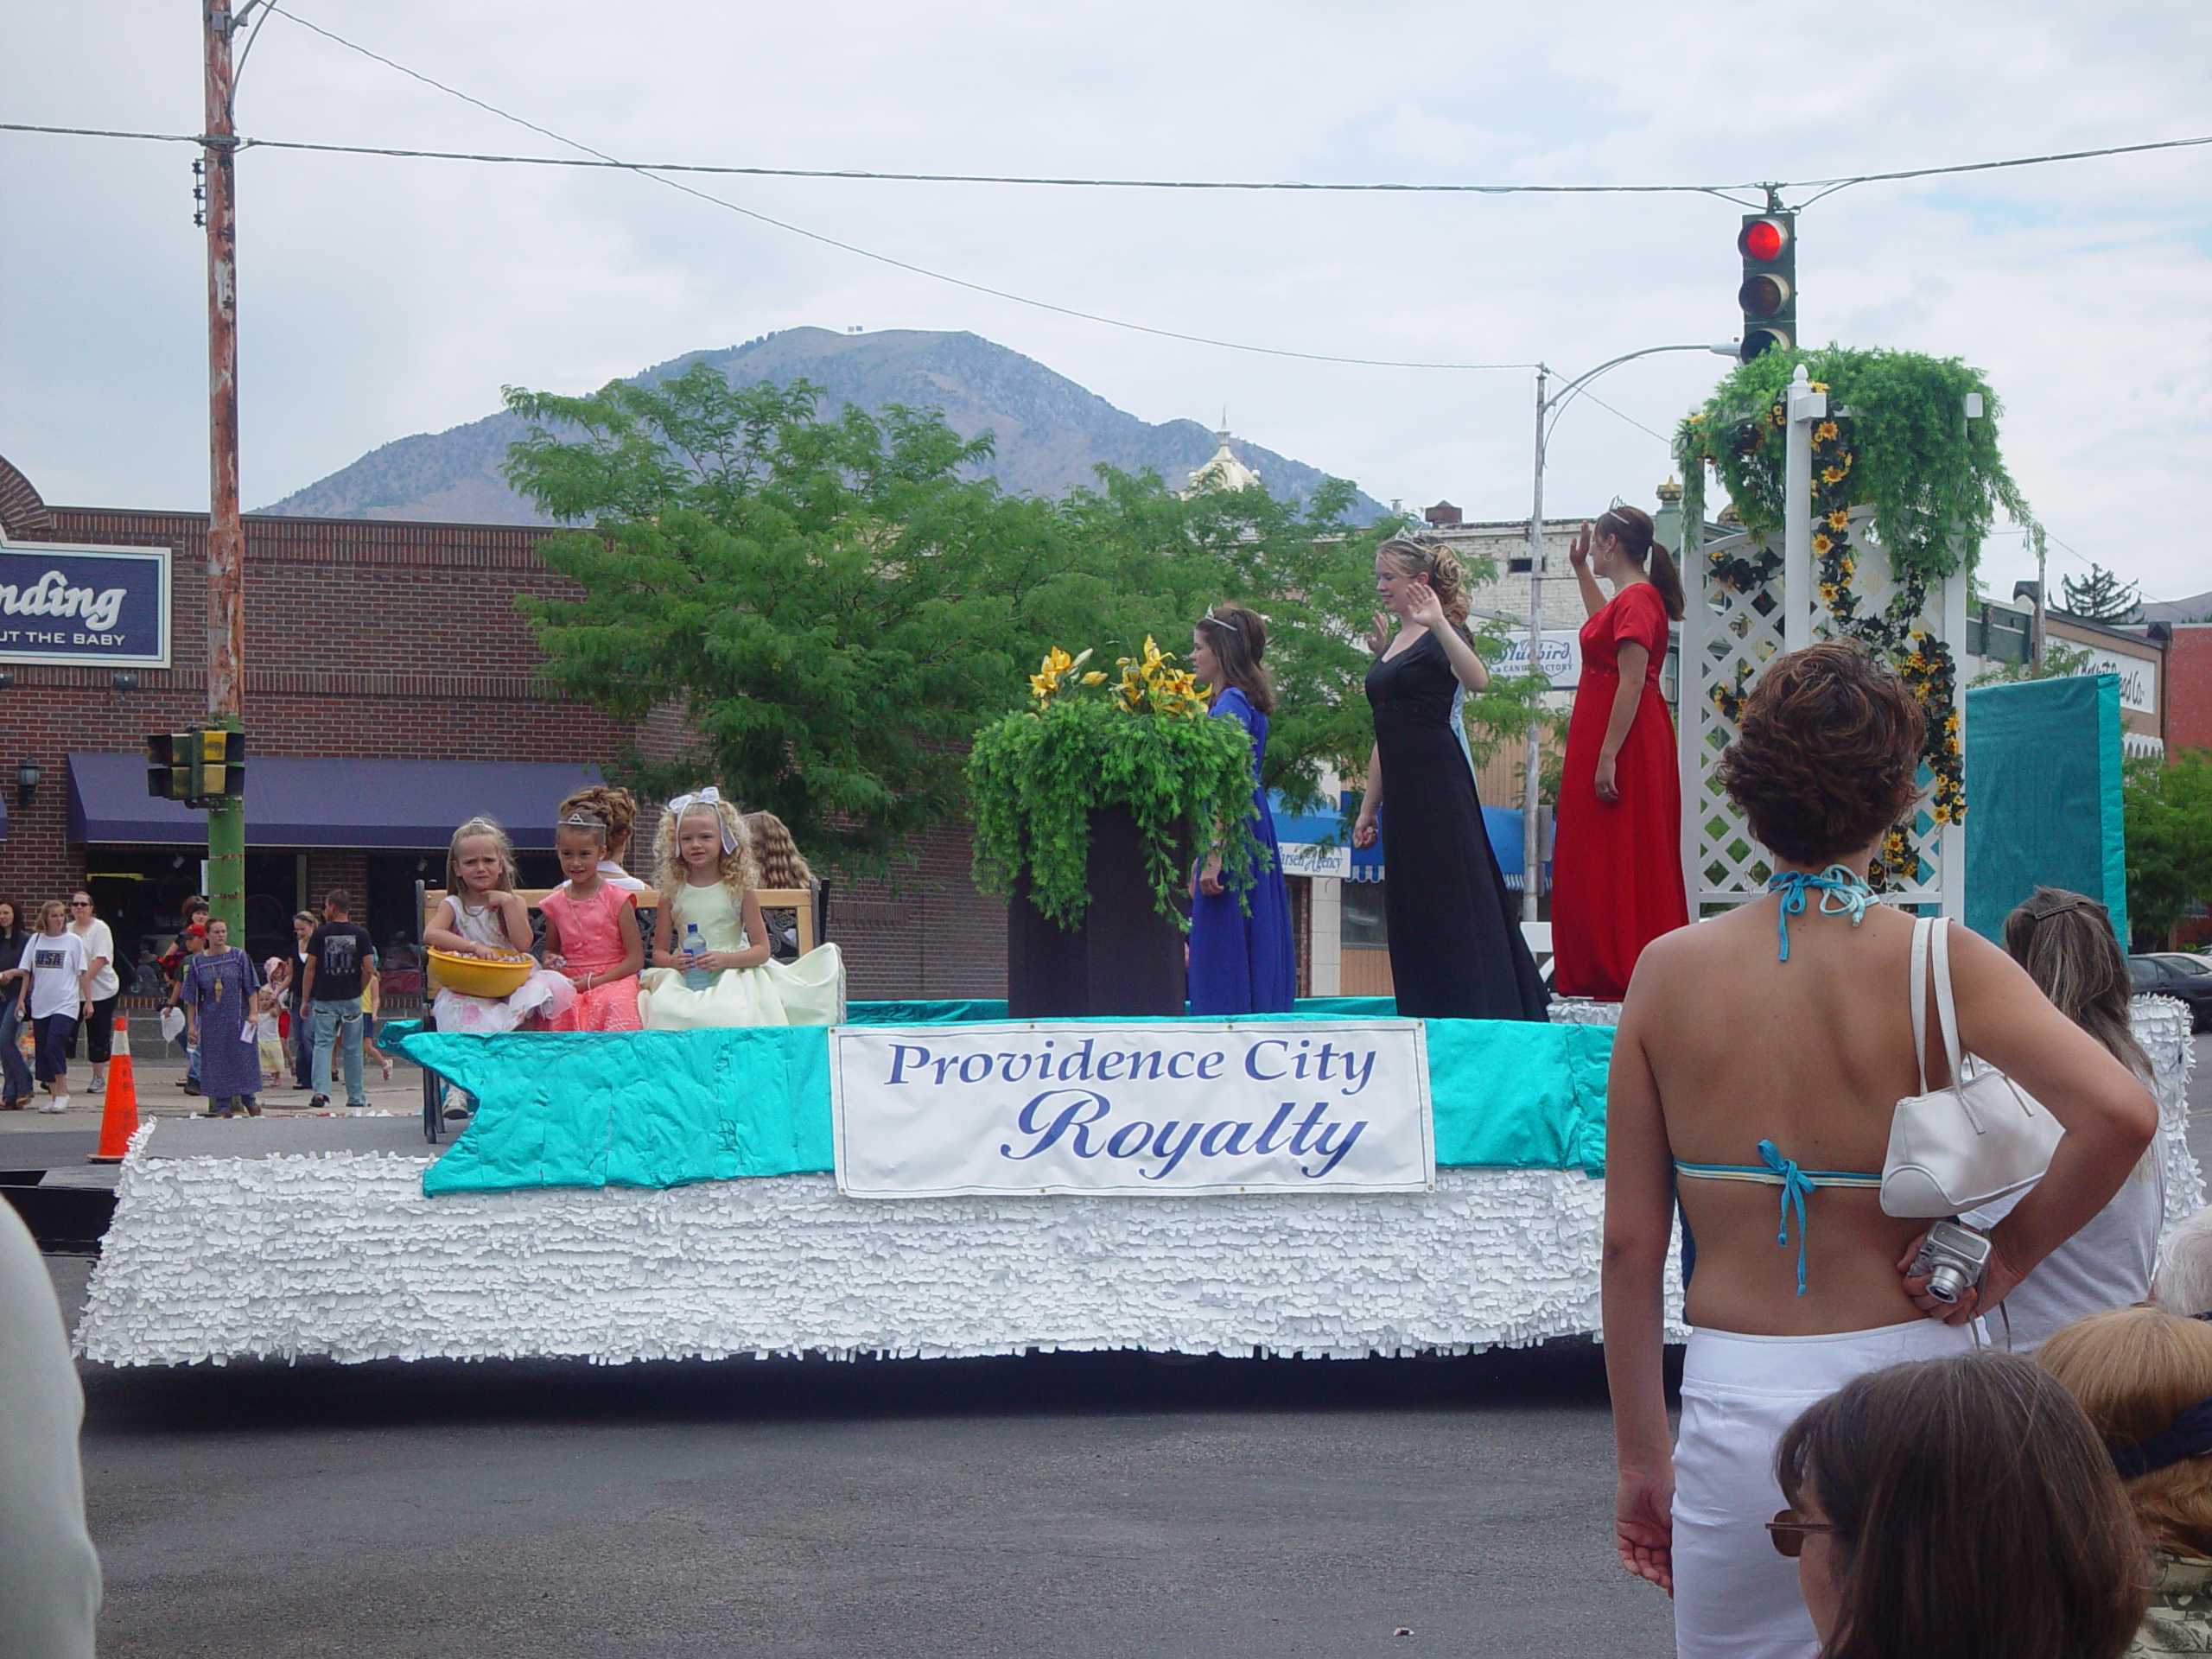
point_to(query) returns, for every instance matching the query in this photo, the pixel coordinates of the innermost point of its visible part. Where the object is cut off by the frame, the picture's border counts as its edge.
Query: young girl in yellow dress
(722, 974)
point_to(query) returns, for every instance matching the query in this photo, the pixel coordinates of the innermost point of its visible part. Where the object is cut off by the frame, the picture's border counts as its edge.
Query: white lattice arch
(1728, 637)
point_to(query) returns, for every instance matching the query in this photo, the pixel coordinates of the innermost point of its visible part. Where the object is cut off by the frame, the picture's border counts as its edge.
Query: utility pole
(2036, 645)
(226, 538)
(1532, 863)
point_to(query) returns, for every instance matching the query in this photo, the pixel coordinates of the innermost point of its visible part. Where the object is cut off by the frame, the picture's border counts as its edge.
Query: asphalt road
(1079, 1506)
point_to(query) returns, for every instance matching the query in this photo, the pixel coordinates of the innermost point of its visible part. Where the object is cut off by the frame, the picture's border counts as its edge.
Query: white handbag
(1982, 1139)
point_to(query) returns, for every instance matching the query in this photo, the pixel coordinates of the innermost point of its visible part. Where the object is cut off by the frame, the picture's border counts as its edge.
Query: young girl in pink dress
(591, 932)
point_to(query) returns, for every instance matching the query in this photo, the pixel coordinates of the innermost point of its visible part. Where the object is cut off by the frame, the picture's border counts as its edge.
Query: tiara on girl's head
(1217, 621)
(580, 819)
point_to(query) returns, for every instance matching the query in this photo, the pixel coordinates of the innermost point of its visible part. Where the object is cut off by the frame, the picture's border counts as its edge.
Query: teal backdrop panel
(2043, 776)
(665, 1108)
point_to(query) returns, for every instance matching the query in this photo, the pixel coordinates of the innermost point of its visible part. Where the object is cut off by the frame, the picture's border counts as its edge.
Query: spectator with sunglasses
(1959, 1508)
(98, 1029)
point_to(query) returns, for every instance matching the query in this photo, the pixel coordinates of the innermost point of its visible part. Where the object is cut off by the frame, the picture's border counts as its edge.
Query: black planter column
(1123, 956)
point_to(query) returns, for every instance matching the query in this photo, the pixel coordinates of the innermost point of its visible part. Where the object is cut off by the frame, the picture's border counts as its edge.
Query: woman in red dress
(1616, 864)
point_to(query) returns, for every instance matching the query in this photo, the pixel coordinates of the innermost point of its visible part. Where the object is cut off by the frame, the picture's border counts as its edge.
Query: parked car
(2175, 974)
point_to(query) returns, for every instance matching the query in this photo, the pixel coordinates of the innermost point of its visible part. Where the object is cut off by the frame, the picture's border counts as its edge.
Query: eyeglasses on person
(1789, 1528)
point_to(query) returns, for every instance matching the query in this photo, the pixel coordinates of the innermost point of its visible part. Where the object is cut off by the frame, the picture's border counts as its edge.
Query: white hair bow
(710, 798)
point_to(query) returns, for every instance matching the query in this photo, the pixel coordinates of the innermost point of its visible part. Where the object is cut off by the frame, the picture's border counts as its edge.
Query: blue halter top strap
(1842, 893)
(1775, 1169)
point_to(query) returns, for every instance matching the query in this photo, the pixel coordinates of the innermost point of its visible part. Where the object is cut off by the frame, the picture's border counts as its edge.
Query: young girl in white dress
(481, 915)
(707, 881)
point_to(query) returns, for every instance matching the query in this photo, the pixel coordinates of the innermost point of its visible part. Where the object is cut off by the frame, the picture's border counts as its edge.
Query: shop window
(140, 892)
(1363, 927)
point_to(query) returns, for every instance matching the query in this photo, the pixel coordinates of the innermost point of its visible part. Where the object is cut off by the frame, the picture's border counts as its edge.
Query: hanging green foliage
(1091, 742)
(1896, 456)
(1934, 479)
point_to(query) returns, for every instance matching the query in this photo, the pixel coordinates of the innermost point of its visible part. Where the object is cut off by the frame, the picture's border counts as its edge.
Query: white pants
(1734, 1597)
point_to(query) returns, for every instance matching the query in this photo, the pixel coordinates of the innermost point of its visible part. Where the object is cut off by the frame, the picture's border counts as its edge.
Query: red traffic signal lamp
(1768, 298)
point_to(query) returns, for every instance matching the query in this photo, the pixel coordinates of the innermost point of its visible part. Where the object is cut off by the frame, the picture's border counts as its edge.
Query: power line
(594, 159)
(1631, 419)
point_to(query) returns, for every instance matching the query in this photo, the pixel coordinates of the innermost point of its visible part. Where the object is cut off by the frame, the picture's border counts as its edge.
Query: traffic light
(1768, 295)
(168, 765)
(197, 767)
(222, 763)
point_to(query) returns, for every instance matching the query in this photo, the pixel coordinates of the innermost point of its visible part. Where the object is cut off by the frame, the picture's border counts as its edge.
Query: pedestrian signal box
(1768, 298)
(198, 767)
(222, 763)
(168, 765)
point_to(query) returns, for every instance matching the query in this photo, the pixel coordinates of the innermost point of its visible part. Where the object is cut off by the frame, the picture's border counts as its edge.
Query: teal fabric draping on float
(665, 1108)
(2042, 780)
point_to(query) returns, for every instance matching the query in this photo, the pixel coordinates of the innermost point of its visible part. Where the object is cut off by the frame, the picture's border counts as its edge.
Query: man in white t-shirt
(107, 985)
(61, 995)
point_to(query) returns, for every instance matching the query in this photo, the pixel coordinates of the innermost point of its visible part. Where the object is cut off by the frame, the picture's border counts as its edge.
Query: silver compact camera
(1953, 1256)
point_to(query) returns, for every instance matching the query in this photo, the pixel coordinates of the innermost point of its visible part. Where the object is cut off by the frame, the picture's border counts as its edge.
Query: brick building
(397, 643)
(2189, 685)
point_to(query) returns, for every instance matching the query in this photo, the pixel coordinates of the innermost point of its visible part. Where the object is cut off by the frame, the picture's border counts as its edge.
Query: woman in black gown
(1456, 949)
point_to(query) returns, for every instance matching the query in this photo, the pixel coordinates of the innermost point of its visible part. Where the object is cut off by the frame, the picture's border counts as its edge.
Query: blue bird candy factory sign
(99, 607)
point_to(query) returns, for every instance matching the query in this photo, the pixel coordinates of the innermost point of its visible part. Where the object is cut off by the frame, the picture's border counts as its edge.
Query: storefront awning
(413, 805)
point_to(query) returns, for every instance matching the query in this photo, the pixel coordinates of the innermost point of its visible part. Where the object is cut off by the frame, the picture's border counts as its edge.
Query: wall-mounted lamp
(122, 682)
(7, 679)
(27, 777)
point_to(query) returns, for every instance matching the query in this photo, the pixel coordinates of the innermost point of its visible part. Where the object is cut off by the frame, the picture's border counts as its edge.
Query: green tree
(828, 608)
(2100, 596)
(2168, 808)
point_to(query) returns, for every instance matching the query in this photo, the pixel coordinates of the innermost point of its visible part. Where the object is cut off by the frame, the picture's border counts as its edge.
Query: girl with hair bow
(711, 963)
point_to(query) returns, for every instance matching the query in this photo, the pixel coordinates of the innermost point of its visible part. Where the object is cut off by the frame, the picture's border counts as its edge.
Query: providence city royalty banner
(1132, 1109)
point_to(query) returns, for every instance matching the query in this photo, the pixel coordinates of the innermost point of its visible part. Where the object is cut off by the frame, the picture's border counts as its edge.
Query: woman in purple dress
(1242, 960)
(217, 997)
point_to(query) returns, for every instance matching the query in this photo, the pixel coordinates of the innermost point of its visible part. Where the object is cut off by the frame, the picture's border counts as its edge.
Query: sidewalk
(158, 1070)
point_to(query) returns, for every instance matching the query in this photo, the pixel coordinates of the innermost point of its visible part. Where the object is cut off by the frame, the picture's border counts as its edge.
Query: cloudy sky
(381, 297)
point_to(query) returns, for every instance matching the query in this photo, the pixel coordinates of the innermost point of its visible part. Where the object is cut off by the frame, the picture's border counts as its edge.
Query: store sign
(105, 606)
(1561, 657)
(1145, 1110)
(2138, 677)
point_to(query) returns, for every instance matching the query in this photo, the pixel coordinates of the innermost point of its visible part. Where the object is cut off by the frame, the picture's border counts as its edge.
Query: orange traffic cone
(120, 1120)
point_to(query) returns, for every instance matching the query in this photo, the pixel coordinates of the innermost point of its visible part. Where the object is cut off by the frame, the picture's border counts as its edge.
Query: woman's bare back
(1811, 1054)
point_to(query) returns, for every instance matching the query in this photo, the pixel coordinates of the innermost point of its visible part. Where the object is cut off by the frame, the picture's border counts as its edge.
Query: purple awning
(413, 805)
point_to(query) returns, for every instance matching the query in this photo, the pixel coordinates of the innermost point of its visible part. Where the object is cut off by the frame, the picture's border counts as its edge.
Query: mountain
(1050, 432)
(2198, 609)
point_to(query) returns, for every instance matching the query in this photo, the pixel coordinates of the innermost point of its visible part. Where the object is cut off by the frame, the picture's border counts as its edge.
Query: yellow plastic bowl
(476, 976)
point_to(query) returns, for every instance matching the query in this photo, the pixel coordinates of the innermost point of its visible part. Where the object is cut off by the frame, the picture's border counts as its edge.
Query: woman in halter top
(1759, 1057)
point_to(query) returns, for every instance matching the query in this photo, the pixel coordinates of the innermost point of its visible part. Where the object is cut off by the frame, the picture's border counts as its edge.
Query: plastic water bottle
(696, 977)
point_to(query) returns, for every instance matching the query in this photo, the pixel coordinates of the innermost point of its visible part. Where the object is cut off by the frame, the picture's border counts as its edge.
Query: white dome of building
(1224, 472)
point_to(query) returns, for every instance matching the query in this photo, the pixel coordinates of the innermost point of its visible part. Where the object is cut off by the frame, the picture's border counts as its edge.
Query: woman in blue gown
(1241, 958)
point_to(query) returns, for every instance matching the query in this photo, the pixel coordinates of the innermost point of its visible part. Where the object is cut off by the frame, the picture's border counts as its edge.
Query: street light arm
(1556, 404)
